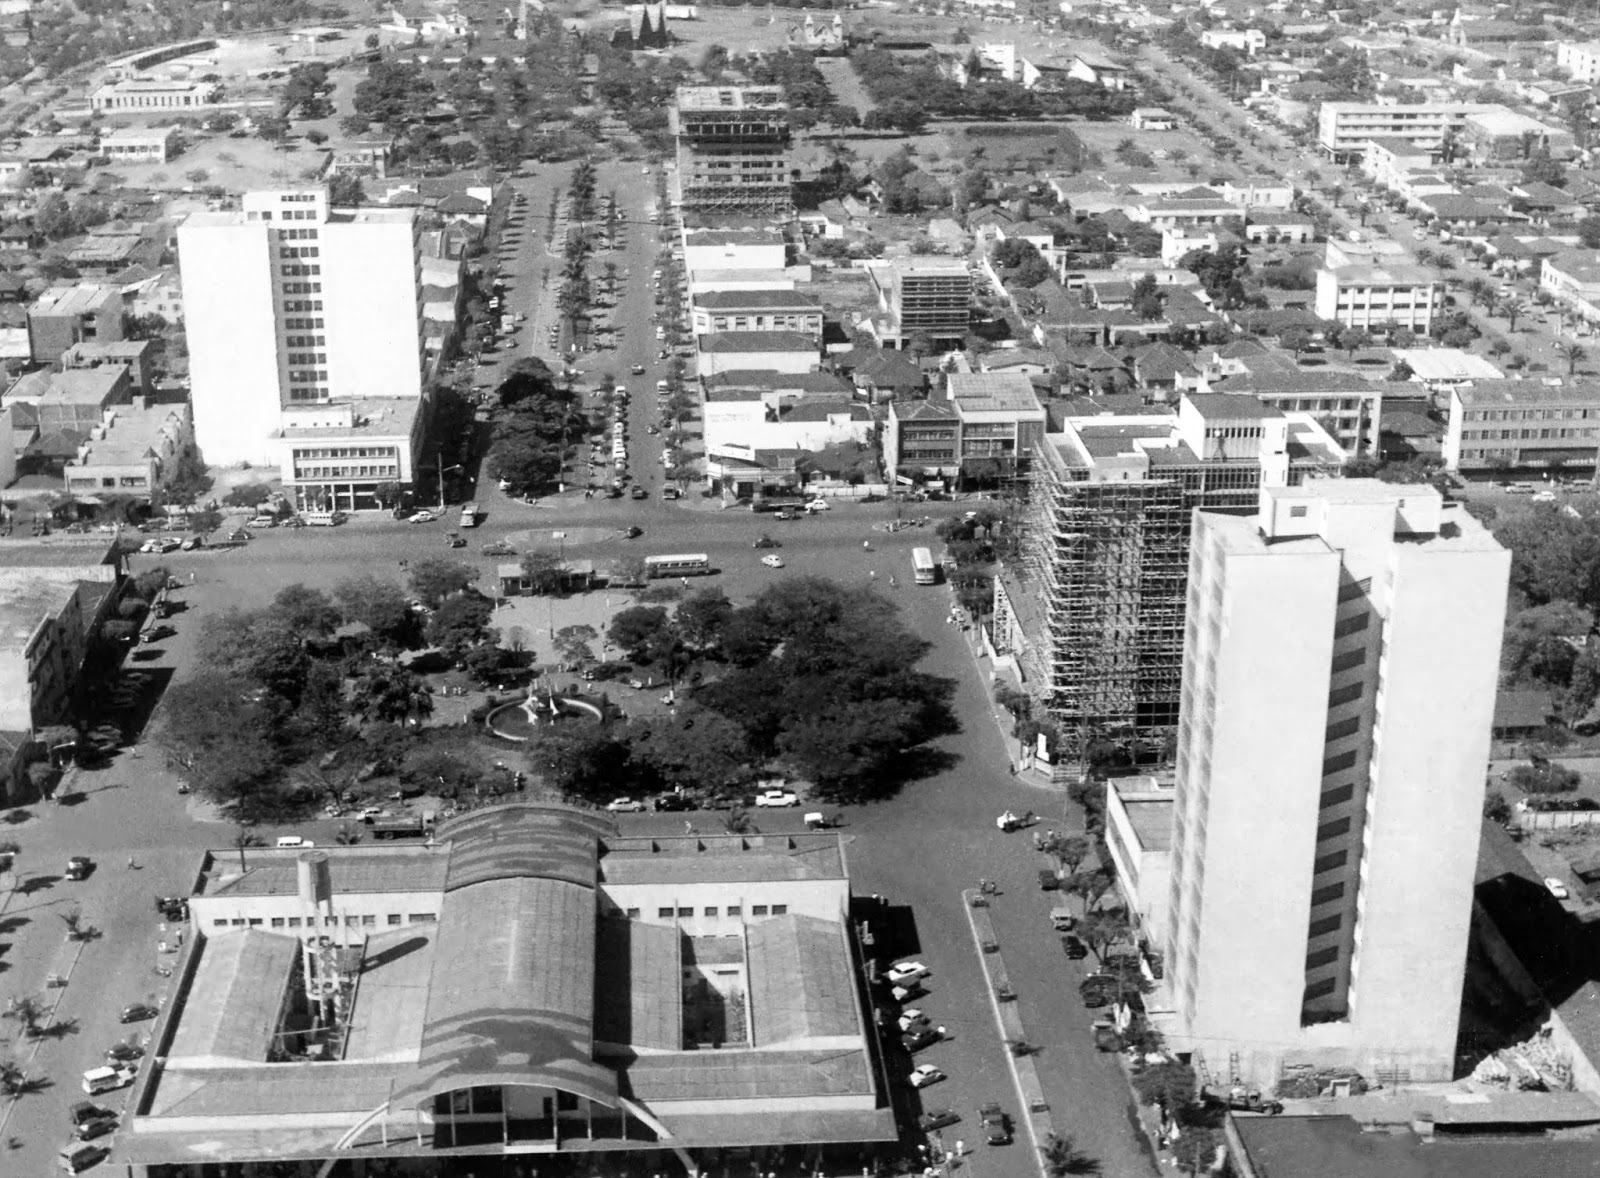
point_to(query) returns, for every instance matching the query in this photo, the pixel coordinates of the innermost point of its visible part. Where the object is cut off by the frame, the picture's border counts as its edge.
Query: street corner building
(526, 983)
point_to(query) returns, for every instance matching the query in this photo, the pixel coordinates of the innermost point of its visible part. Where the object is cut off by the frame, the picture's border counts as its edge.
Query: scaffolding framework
(733, 149)
(1111, 561)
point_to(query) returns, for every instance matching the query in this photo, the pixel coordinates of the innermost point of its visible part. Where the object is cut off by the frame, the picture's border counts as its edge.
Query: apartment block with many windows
(1344, 128)
(1341, 656)
(1523, 424)
(733, 149)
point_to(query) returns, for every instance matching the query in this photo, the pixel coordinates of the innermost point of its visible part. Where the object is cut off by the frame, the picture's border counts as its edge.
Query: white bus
(922, 566)
(693, 564)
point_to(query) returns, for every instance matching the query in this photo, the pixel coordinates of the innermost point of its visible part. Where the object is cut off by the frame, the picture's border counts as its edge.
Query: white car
(1556, 888)
(777, 797)
(772, 562)
(909, 1016)
(661, 333)
(819, 505)
(924, 1075)
(906, 971)
(160, 547)
(1542, 497)
(625, 806)
(423, 517)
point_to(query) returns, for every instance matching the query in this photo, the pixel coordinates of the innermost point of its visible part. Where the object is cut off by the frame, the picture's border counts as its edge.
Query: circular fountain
(519, 720)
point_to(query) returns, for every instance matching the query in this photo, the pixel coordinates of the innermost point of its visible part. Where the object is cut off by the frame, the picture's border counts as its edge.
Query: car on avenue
(639, 493)
(996, 1128)
(161, 546)
(625, 806)
(923, 1076)
(423, 517)
(911, 1017)
(637, 370)
(675, 801)
(632, 532)
(1074, 947)
(95, 1127)
(907, 971)
(1556, 888)
(941, 1118)
(124, 1052)
(137, 1012)
(766, 542)
(777, 797)
(499, 548)
(772, 562)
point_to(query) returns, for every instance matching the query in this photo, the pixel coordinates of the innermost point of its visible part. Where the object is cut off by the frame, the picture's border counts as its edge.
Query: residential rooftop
(993, 392)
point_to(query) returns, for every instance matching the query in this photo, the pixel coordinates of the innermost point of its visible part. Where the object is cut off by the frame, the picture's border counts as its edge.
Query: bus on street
(922, 566)
(694, 564)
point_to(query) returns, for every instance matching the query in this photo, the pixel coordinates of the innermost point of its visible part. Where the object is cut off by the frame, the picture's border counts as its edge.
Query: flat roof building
(1376, 296)
(1340, 668)
(1345, 128)
(922, 296)
(1523, 424)
(526, 982)
(153, 94)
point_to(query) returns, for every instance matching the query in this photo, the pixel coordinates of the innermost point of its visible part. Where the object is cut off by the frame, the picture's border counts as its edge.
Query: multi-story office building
(1098, 627)
(1573, 277)
(1349, 406)
(1522, 424)
(1344, 128)
(1340, 663)
(930, 296)
(1376, 296)
(733, 149)
(293, 306)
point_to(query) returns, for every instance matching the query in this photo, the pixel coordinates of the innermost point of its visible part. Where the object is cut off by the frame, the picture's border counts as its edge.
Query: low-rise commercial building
(1347, 406)
(1581, 60)
(138, 146)
(79, 398)
(1379, 296)
(150, 95)
(67, 315)
(1573, 276)
(1523, 424)
(1345, 128)
(526, 982)
(1139, 838)
(756, 310)
(349, 455)
(135, 450)
(733, 249)
(779, 351)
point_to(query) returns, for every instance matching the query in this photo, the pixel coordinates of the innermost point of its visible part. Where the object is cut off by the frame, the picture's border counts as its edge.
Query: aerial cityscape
(977, 589)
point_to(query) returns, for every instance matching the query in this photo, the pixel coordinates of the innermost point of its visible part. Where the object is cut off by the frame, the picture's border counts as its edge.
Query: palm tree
(1063, 1158)
(1513, 309)
(26, 1011)
(1573, 354)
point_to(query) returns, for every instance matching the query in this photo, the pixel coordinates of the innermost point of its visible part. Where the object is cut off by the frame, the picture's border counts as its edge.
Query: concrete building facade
(1344, 128)
(926, 295)
(1523, 424)
(1376, 296)
(1340, 665)
(290, 305)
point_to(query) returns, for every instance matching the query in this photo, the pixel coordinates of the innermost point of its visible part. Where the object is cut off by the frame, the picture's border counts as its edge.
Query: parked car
(819, 505)
(907, 971)
(499, 548)
(777, 797)
(996, 1127)
(1074, 947)
(85, 1111)
(924, 1036)
(772, 562)
(124, 1052)
(264, 521)
(766, 542)
(422, 517)
(1049, 881)
(1105, 1036)
(160, 546)
(674, 801)
(1244, 1100)
(137, 1012)
(79, 867)
(639, 493)
(632, 531)
(922, 1077)
(637, 370)
(624, 806)
(912, 1017)
(1556, 888)
(938, 1119)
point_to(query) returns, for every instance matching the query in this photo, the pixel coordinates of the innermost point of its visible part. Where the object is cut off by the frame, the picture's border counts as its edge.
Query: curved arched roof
(511, 997)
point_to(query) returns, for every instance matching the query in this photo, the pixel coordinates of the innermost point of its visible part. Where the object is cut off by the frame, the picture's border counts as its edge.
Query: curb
(1024, 1073)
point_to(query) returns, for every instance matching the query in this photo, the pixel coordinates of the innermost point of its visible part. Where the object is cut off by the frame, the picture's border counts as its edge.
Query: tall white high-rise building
(1340, 665)
(301, 317)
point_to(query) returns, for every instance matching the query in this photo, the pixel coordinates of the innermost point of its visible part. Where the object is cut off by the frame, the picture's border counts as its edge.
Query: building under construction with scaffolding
(1095, 616)
(733, 150)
